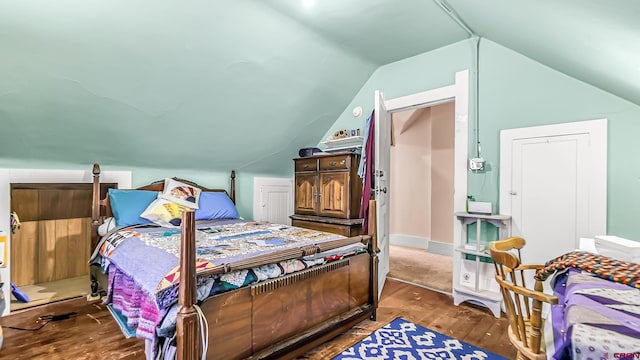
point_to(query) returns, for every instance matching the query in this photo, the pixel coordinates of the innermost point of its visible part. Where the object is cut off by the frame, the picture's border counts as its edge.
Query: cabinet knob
(333, 163)
(305, 166)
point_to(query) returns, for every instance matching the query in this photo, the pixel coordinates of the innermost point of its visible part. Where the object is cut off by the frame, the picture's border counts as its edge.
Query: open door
(382, 168)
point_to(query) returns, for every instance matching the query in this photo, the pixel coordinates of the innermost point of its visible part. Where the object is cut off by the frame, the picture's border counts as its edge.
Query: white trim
(417, 242)
(441, 248)
(8, 176)
(422, 99)
(597, 131)
(459, 93)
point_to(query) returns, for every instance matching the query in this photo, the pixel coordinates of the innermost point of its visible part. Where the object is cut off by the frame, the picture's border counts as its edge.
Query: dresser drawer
(310, 164)
(335, 162)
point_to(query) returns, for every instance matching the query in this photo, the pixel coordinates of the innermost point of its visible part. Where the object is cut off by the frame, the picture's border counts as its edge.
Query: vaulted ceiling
(221, 84)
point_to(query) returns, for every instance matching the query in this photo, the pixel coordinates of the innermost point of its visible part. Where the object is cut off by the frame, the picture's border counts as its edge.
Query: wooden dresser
(328, 192)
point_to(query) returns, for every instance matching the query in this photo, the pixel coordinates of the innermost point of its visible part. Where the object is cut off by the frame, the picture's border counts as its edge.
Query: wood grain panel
(229, 317)
(329, 295)
(339, 162)
(280, 313)
(46, 250)
(61, 247)
(298, 306)
(78, 240)
(305, 195)
(344, 230)
(25, 203)
(359, 273)
(309, 164)
(334, 199)
(64, 203)
(49, 204)
(24, 254)
(79, 200)
(80, 243)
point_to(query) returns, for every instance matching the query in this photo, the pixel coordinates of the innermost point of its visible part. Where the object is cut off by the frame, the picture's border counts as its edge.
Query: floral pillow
(180, 193)
(164, 213)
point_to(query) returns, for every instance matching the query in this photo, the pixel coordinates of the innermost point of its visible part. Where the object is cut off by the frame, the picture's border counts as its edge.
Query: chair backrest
(522, 305)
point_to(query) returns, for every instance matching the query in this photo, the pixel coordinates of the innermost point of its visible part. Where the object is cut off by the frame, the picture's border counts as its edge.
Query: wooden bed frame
(275, 319)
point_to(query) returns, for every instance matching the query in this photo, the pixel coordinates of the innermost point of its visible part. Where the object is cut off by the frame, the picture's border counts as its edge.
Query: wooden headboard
(101, 208)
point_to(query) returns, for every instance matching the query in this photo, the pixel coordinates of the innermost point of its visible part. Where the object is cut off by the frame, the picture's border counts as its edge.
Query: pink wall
(442, 170)
(421, 191)
(410, 197)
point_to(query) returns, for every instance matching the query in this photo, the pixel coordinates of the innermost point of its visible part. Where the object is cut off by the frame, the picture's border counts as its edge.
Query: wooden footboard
(280, 318)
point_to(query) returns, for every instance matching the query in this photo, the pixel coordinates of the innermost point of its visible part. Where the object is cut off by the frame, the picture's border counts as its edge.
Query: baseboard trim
(409, 241)
(418, 242)
(437, 247)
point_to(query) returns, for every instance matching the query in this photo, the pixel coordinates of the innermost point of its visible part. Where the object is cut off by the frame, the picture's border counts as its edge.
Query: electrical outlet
(476, 164)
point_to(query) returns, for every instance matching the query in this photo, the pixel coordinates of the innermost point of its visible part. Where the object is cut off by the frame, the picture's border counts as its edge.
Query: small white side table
(488, 298)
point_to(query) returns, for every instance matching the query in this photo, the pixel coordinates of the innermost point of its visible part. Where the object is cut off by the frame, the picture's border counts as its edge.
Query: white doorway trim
(458, 93)
(597, 131)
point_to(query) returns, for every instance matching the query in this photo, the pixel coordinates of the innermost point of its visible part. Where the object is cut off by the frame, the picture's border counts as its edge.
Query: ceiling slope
(245, 83)
(594, 41)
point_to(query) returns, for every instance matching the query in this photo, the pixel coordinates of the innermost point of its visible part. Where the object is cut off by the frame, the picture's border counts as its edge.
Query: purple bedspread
(594, 318)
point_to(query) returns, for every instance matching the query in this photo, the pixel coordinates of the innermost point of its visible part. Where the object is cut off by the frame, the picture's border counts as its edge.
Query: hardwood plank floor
(472, 324)
(93, 334)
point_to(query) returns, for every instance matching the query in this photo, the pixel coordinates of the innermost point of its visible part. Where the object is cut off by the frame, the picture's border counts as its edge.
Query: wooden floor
(48, 292)
(93, 334)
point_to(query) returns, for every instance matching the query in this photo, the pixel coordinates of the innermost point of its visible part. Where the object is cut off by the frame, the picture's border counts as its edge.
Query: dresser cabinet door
(306, 194)
(334, 194)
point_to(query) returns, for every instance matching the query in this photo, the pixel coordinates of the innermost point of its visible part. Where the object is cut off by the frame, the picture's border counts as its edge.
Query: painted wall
(410, 179)
(422, 168)
(442, 172)
(516, 91)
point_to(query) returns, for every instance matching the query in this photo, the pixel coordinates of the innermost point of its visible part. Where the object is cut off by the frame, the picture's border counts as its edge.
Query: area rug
(402, 339)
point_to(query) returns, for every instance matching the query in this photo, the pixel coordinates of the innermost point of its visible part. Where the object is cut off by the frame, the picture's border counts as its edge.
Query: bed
(598, 315)
(325, 283)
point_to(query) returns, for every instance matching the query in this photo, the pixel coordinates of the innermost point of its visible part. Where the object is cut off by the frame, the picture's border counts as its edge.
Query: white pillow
(164, 213)
(181, 193)
(108, 224)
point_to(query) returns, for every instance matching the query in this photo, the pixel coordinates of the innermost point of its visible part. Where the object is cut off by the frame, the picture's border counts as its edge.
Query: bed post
(373, 247)
(187, 321)
(233, 186)
(95, 206)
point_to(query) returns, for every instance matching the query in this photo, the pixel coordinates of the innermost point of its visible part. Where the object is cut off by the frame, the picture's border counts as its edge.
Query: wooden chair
(522, 305)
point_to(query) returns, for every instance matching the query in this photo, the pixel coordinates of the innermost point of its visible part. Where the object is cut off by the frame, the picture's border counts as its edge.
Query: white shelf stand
(490, 299)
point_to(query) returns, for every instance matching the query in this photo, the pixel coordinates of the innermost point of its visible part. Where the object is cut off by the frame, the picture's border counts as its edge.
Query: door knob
(383, 189)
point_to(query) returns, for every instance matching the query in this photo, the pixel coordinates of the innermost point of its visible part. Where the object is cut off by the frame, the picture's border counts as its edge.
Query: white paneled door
(553, 184)
(382, 169)
(272, 200)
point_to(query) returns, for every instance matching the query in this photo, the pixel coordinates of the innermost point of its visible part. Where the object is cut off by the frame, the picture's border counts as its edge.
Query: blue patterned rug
(402, 339)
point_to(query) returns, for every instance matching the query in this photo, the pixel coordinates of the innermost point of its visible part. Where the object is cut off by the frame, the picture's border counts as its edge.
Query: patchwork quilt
(143, 265)
(605, 267)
